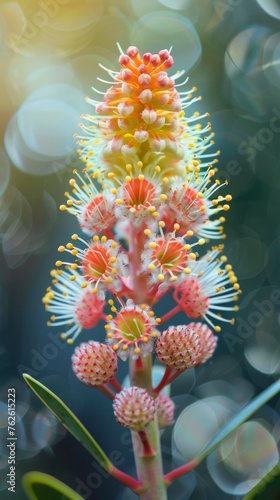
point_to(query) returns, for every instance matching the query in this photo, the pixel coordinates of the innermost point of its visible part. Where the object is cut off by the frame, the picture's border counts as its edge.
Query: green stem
(148, 465)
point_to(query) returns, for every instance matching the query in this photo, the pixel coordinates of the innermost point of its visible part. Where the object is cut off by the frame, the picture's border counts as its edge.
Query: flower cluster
(148, 201)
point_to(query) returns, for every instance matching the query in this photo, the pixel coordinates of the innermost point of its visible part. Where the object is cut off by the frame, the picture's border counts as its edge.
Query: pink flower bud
(179, 347)
(165, 411)
(94, 363)
(134, 408)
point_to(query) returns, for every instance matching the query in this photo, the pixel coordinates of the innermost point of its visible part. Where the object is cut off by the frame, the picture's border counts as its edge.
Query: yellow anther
(74, 252)
(72, 278)
(151, 267)
(74, 237)
(187, 270)
(189, 233)
(192, 256)
(155, 214)
(228, 197)
(201, 241)
(152, 244)
(176, 227)
(147, 232)
(84, 285)
(157, 169)
(62, 208)
(217, 329)
(72, 182)
(115, 347)
(58, 263)
(95, 238)
(128, 178)
(161, 224)
(226, 207)
(103, 239)
(74, 266)
(61, 248)
(111, 175)
(70, 203)
(141, 177)
(160, 277)
(114, 191)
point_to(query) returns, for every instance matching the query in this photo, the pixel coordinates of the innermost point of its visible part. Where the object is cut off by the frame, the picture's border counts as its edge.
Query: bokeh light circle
(271, 7)
(161, 29)
(243, 459)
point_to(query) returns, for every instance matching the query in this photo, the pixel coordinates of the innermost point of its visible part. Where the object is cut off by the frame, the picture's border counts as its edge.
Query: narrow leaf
(70, 421)
(267, 487)
(38, 485)
(241, 417)
(226, 431)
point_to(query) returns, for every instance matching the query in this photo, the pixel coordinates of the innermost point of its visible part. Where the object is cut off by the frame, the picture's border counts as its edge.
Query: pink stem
(148, 450)
(171, 313)
(124, 478)
(107, 391)
(115, 383)
(164, 381)
(169, 375)
(180, 471)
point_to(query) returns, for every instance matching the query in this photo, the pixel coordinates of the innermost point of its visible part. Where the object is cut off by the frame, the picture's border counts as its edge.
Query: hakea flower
(94, 363)
(134, 408)
(179, 347)
(204, 293)
(132, 331)
(167, 257)
(165, 411)
(190, 205)
(142, 115)
(208, 341)
(138, 200)
(93, 208)
(72, 303)
(102, 263)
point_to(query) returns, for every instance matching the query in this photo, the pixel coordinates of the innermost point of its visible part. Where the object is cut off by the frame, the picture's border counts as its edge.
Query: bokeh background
(50, 52)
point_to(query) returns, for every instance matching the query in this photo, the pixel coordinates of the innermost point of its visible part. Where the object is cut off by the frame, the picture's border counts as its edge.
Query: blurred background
(50, 52)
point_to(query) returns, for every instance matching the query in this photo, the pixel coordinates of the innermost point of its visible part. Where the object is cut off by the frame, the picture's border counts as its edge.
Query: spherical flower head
(72, 303)
(89, 309)
(191, 298)
(94, 363)
(92, 207)
(165, 411)
(210, 290)
(97, 215)
(208, 341)
(132, 331)
(185, 206)
(179, 347)
(134, 408)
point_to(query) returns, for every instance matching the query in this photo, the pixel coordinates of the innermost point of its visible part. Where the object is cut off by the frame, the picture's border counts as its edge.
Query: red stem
(115, 383)
(164, 380)
(148, 450)
(180, 471)
(107, 391)
(171, 313)
(124, 478)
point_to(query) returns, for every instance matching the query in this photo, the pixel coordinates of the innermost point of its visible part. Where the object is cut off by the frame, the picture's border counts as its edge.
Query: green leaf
(69, 420)
(267, 487)
(241, 417)
(38, 485)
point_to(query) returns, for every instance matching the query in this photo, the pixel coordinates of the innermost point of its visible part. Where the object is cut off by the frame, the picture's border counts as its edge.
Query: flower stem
(171, 313)
(148, 465)
(180, 471)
